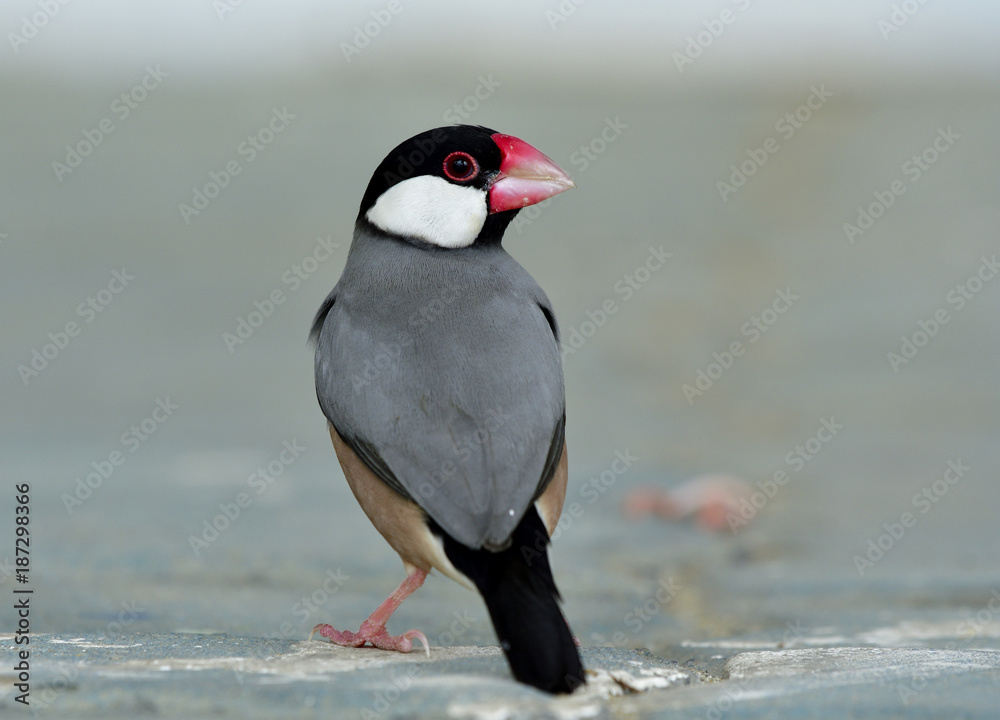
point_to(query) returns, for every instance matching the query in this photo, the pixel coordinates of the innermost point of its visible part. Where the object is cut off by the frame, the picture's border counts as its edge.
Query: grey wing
(465, 414)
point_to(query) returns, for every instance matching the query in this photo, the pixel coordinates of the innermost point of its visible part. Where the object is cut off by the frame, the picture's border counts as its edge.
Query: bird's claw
(417, 635)
(377, 635)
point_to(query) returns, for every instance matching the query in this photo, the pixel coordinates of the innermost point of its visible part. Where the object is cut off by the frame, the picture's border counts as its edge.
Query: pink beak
(526, 176)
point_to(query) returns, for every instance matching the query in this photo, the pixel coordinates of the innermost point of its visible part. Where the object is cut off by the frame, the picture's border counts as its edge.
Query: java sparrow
(437, 366)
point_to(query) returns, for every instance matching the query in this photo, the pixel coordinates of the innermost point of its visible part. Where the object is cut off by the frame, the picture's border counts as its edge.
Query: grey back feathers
(441, 369)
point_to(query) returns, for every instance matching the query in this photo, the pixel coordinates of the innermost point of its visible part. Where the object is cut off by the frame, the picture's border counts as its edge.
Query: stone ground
(194, 676)
(865, 580)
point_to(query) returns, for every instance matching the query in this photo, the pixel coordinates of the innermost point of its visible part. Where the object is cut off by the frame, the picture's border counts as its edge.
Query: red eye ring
(460, 166)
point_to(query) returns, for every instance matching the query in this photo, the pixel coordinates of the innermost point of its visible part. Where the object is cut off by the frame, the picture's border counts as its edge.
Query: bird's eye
(460, 166)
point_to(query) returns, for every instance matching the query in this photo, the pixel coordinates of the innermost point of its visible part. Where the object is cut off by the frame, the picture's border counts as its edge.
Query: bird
(437, 366)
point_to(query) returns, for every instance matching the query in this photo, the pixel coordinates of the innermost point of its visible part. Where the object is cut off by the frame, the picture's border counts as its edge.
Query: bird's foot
(375, 634)
(373, 629)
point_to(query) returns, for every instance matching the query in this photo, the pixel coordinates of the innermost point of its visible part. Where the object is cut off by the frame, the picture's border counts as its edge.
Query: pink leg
(373, 629)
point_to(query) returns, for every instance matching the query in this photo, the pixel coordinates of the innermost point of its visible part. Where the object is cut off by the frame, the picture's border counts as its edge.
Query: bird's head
(450, 186)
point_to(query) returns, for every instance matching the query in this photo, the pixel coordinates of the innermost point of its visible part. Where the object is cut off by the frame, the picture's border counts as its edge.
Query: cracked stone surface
(188, 674)
(191, 675)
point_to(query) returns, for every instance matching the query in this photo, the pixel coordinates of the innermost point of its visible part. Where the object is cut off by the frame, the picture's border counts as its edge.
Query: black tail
(522, 599)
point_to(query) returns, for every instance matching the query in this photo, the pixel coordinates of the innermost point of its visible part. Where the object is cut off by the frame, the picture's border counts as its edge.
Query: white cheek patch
(431, 209)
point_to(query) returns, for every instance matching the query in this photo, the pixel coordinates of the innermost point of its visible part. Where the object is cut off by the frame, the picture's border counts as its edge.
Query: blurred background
(178, 186)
